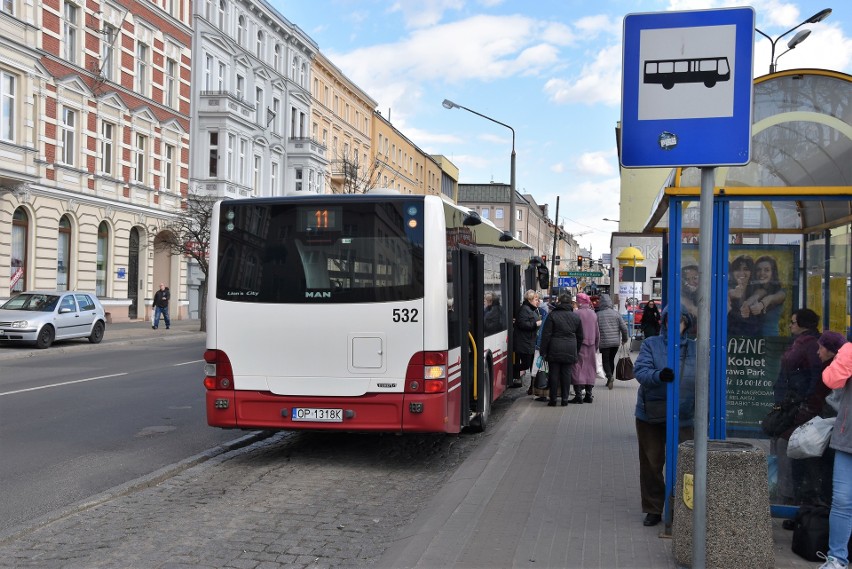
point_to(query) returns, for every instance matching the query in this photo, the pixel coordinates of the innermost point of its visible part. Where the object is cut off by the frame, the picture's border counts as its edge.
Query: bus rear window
(330, 251)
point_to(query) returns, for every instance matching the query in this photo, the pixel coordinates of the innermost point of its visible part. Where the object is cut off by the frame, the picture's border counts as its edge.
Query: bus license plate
(319, 415)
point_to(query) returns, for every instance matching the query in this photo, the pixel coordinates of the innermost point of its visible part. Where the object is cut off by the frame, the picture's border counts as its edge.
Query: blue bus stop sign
(686, 93)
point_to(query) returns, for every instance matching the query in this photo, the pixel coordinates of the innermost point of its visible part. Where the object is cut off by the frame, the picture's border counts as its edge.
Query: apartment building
(341, 121)
(251, 84)
(532, 224)
(400, 164)
(94, 146)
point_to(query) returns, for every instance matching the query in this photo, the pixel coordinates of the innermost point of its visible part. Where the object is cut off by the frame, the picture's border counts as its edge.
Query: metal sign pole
(702, 371)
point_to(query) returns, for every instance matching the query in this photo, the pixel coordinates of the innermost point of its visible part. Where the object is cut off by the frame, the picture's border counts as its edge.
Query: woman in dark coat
(799, 375)
(563, 333)
(527, 321)
(651, 319)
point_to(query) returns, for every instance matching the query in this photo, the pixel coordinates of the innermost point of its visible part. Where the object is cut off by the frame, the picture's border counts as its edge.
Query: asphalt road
(77, 421)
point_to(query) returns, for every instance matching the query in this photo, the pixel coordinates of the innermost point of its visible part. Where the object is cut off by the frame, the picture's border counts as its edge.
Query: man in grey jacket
(612, 328)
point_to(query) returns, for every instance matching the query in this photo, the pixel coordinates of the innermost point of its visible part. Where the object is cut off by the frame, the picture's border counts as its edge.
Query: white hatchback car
(44, 316)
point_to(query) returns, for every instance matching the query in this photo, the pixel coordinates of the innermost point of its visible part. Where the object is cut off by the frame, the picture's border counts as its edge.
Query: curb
(132, 486)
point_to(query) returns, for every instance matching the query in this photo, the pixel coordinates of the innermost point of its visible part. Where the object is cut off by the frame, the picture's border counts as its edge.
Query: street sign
(566, 281)
(581, 274)
(686, 91)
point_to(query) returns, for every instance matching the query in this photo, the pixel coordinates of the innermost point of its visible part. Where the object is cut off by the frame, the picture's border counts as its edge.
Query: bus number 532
(405, 315)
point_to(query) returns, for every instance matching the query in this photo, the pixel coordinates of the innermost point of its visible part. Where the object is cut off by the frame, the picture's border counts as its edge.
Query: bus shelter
(782, 233)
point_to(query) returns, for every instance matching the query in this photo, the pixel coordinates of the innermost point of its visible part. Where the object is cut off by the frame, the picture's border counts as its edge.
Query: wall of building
(98, 132)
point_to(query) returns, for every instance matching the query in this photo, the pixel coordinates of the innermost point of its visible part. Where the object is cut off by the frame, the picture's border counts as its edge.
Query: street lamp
(797, 39)
(448, 104)
(608, 219)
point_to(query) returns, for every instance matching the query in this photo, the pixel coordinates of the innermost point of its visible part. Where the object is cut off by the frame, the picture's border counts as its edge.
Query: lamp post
(797, 39)
(448, 104)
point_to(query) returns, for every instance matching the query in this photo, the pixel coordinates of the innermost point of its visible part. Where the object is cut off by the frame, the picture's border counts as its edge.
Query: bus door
(511, 274)
(469, 267)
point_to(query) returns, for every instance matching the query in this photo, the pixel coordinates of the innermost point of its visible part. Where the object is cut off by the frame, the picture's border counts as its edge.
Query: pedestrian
(527, 321)
(613, 333)
(650, 319)
(652, 373)
(585, 370)
(493, 315)
(836, 376)
(161, 306)
(812, 476)
(562, 335)
(800, 371)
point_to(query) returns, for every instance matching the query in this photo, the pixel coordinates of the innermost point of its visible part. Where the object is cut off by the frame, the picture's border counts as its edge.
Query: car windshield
(32, 302)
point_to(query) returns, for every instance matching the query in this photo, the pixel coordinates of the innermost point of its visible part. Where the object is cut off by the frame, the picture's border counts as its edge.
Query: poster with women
(760, 299)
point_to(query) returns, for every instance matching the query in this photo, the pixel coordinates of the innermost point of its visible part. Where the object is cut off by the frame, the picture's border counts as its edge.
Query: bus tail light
(217, 370)
(427, 373)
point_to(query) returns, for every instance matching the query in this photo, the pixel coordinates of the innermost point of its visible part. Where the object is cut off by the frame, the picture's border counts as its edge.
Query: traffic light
(579, 261)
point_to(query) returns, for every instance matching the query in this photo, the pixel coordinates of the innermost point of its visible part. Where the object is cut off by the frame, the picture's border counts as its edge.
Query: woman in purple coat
(585, 370)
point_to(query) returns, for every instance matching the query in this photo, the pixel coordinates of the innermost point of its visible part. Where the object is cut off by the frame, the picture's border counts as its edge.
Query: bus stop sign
(686, 92)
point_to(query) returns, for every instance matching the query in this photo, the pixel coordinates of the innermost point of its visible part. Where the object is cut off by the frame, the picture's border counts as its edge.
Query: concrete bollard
(739, 525)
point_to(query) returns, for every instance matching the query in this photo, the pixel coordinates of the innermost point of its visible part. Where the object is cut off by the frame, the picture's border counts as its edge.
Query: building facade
(341, 121)
(94, 147)
(251, 86)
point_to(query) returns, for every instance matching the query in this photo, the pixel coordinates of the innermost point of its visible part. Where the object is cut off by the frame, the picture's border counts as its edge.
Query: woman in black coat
(651, 319)
(527, 321)
(562, 334)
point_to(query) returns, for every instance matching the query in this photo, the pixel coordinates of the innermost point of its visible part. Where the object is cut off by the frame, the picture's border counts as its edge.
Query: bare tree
(358, 178)
(188, 234)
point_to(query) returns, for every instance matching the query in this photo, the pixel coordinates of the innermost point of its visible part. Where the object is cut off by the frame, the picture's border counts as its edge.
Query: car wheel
(45, 337)
(97, 333)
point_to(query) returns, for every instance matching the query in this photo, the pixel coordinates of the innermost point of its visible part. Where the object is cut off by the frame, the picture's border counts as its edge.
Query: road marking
(187, 363)
(62, 384)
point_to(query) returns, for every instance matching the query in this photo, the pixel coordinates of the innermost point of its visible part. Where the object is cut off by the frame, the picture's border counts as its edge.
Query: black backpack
(810, 533)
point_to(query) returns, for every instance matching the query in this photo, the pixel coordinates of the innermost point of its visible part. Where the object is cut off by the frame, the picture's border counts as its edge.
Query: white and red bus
(357, 313)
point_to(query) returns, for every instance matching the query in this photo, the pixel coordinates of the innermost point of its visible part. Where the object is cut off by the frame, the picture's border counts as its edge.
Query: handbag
(541, 387)
(810, 439)
(624, 365)
(780, 418)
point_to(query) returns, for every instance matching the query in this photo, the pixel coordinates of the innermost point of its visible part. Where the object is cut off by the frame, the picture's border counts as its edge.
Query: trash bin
(739, 525)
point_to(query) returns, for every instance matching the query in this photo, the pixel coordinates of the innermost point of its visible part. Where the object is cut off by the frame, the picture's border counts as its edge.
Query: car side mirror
(65, 310)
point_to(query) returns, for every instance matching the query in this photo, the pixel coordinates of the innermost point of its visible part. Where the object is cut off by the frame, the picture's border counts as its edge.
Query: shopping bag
(810, 439)
(541, 378)
(541, 387)
(624, 365)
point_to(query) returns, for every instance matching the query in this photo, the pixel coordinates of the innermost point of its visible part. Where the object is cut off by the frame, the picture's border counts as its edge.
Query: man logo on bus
(668, 72)
(317, 294)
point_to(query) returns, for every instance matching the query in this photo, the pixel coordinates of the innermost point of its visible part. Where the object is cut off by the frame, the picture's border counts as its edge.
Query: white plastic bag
(810, 439)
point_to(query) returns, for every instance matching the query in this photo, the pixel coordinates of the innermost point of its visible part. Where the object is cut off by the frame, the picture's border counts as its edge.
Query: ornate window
(101, 268)
(63, 254)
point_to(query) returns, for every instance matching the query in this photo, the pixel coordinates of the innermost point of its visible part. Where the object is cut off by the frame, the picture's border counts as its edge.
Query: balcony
(221, 189)
(343, 169)
(224, 104)
(303, 147)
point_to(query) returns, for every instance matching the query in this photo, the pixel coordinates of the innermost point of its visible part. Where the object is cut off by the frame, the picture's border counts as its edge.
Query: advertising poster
(761, 290)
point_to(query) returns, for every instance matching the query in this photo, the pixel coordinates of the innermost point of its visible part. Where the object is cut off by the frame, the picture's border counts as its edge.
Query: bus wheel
(479, 422)
(709, 83)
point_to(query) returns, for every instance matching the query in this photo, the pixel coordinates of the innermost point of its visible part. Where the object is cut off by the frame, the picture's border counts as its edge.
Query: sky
(550, 69)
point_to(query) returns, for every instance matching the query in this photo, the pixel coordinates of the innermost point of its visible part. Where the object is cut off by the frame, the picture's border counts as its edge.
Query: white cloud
(598, 82)
(559, 168)
(424, 13)
(597, 163)
(480, 48)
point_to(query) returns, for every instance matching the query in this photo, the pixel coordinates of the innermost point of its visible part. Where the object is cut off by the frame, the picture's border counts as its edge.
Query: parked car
(44, 316)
